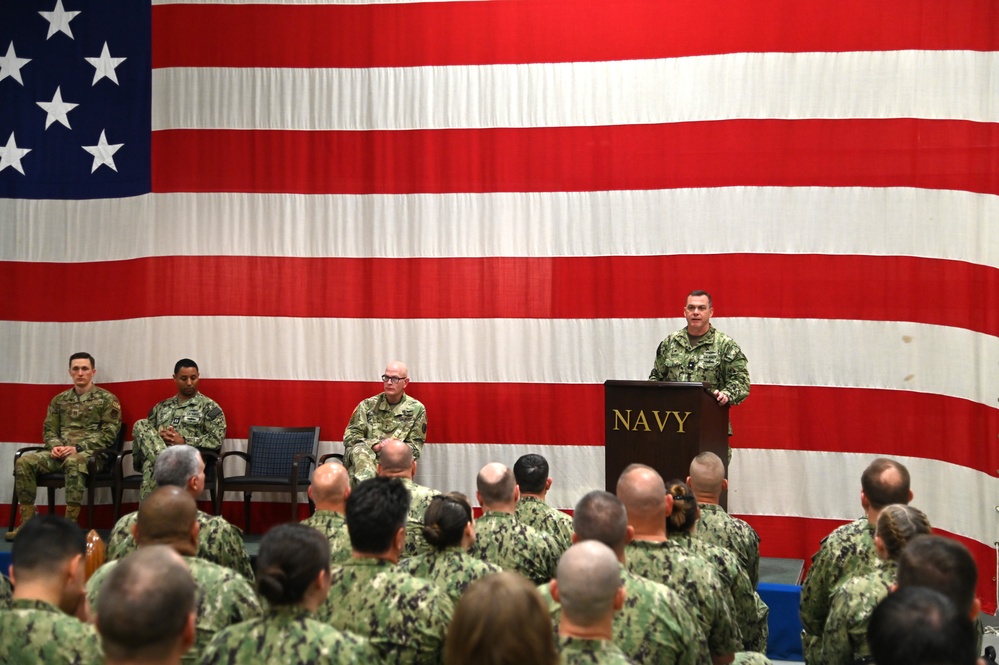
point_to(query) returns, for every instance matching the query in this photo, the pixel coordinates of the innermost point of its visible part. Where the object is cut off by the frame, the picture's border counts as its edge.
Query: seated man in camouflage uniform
(186, 418)
(707, 480)
(392, 414)
(654, 556)
(531, 473)
(48, 570)
(655, 625)
(219, 541)
(849, 550)
(149, 610)
(504, 540)
(396, 461)
(329, 490)
(168, 516)
(589, 587)
(79, 422)
(404, 617)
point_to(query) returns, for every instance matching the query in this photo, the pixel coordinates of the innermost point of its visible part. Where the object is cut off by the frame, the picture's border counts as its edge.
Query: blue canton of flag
(75, 82)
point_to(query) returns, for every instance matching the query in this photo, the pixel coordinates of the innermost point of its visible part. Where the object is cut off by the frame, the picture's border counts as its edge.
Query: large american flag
(514, 197)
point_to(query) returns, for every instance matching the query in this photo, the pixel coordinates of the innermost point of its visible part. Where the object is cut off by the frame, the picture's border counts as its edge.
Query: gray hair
(176, 465)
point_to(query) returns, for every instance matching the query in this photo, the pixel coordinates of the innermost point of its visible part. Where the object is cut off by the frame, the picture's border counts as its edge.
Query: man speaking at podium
(702, 353)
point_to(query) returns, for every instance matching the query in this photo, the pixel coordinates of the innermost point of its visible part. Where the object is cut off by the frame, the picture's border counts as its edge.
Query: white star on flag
(105, 65)
(103, 153)
(57, 109)
(10, 65)
(10, 155)
(59, 20)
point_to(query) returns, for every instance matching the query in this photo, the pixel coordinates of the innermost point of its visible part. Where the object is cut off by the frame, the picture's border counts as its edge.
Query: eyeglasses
(394, 379)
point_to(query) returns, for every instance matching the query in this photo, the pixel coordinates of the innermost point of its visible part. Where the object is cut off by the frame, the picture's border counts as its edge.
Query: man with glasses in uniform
(392, 414)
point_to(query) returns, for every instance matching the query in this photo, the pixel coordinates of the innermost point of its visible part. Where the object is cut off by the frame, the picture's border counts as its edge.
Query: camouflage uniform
(37, 632)
(715, 359)
(534, 512)
(224, 598)
(199, 420)
(404, 617)
(451, 569)
(577, 651)
(5, 592)
(375, 420)
(287, 634)
(332, 525)
(90, 422)
(748, 608)
(695, 580)
(512, 545)
(844, 638)
(737, 536)
(846, 552)
(654, 626)
(218, 541)
(419, 499)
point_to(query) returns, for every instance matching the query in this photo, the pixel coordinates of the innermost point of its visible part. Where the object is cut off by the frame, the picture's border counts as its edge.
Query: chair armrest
(102, 460)
(219, 472)
(329, 456)
(28, 449)
(210, 456)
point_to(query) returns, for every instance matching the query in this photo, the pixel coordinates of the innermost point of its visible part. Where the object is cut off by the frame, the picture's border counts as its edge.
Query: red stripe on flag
(798, 538)
(937, 292)
(933, 154)
(840, 419)
(476, 33)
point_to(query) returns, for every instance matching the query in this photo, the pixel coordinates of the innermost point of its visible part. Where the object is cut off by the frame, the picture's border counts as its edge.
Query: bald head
(642, 491)
(589, 577)
(707, 476)
(497, 488)
(147, 602)
(166, 516)
(395, 460)
(330, 487)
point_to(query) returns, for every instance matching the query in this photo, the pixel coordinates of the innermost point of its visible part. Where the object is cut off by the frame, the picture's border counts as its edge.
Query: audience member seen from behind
(944, 565)
(589, 587)
(747, 607)
(844, 639)
(293, 575)
(42, 624)
(501, 620)
(450, 530)
(920, 626)
(404, 617)
(148, 609)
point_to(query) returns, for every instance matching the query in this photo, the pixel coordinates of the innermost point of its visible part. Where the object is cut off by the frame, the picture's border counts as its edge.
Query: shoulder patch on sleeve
(214, 413)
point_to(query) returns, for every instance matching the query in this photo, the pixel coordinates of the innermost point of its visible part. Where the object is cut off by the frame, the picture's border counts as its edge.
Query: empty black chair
(278, 459)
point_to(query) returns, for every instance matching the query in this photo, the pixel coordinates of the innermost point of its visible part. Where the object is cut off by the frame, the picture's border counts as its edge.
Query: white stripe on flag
(790, 352)
(887, 84)
(854, 220)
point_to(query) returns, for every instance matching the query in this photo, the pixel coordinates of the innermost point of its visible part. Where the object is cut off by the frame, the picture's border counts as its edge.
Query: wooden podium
(661, 424)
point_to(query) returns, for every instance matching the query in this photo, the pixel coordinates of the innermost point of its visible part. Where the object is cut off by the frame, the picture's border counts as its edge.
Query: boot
(72, 512)
(27, 512)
